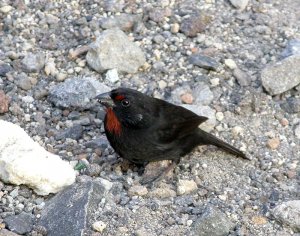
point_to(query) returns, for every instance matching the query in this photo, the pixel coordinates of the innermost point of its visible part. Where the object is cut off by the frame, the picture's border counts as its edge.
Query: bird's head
(126, 108)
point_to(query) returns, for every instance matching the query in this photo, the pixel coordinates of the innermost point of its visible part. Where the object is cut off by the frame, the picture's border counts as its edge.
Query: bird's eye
(125, 103)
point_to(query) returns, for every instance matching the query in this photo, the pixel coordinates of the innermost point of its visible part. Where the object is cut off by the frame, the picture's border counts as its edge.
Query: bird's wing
(175, 122)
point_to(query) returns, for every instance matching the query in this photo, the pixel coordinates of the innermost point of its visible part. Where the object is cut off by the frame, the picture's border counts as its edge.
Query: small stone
(4, 102)
(288, 213)
(204, 62)
(162, 84)
(33, 62)
(75, 132)
(61, 76)
(4, 69)
(123, 21)
(157, 14)
(113, 49)
(195, 24)
(239, 4)
(297, 131)
(212, 222)
(112, 76)
(284, 122)
(230, 64)
(27, 117)
(273, 143)
(237, 130)
(20, 224)
(77, 92)
(292, 48)
(242, 77)
(175, 28)
(202, 94)
(137, 190)
(186, 186)
(292, 105)
(222, 197)
(6, 9)
(164, 191)
(259, 220)
(219, 116)
(24, 82)
(281, 76)
(187, 98)
(215, 82)
(99, 226)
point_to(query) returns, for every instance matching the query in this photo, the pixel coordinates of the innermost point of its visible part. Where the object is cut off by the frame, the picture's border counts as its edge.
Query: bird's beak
(105, 99)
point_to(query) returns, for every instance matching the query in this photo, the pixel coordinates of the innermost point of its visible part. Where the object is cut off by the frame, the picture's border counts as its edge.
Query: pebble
(99, 226)
(297, 131)
(237, 130)
(292, 48)
(33, 62)
(273, 143)
(215, 82)
(6, 9)
(219, 116)
(187, 98)
(4, 102)
(242, 77)
(20, 224)
(239, 4)
(204, 62)
(202, 94)
(281, 76)
(284, 122)
(4, 69)
(292, 105)
(259, 220)
(175, 28)
(230, 64)
(186, 186)
(107, 52)
(164, 191)
(137, 190)
(112, 76)
(195, 24)
(288, 213)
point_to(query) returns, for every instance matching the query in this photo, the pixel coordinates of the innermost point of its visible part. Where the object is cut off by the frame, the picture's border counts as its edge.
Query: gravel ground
(205, 54)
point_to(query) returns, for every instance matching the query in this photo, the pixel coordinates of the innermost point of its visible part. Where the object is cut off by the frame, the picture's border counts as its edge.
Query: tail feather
(209, 139)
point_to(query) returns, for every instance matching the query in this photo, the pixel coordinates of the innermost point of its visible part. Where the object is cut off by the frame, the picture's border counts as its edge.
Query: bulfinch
(142, 129)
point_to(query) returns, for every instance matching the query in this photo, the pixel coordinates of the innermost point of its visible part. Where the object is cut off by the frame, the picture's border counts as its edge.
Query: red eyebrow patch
(119, 97)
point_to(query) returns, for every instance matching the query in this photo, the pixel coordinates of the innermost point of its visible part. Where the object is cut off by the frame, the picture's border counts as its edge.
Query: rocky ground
(236, 62)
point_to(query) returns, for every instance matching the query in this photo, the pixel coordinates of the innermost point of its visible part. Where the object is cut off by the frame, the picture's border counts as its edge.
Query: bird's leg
(151, 181)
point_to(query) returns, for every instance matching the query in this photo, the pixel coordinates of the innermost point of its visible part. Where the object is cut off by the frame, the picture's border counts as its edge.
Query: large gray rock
(281, 76)
(23, 161)
(70, 212)
(113, 49)
(20, 224)
(288, 213)
(77, 92)
(212, 222)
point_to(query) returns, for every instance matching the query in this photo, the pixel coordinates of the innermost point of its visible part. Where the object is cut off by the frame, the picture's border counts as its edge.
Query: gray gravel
(48, 80)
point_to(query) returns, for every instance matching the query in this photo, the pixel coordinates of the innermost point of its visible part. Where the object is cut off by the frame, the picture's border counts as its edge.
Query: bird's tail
(209, 139)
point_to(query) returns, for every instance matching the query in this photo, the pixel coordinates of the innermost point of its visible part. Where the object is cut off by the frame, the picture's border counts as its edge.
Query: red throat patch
(113, 125)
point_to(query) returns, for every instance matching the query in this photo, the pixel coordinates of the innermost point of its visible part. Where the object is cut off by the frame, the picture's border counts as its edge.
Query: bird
(143, 129)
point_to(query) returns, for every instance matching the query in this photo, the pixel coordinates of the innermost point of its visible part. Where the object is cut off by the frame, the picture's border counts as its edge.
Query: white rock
(186, 186)
(6, 9)
(99, 226)
(23, 161)
(230, 64)
(239, 4)
(112, 76)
